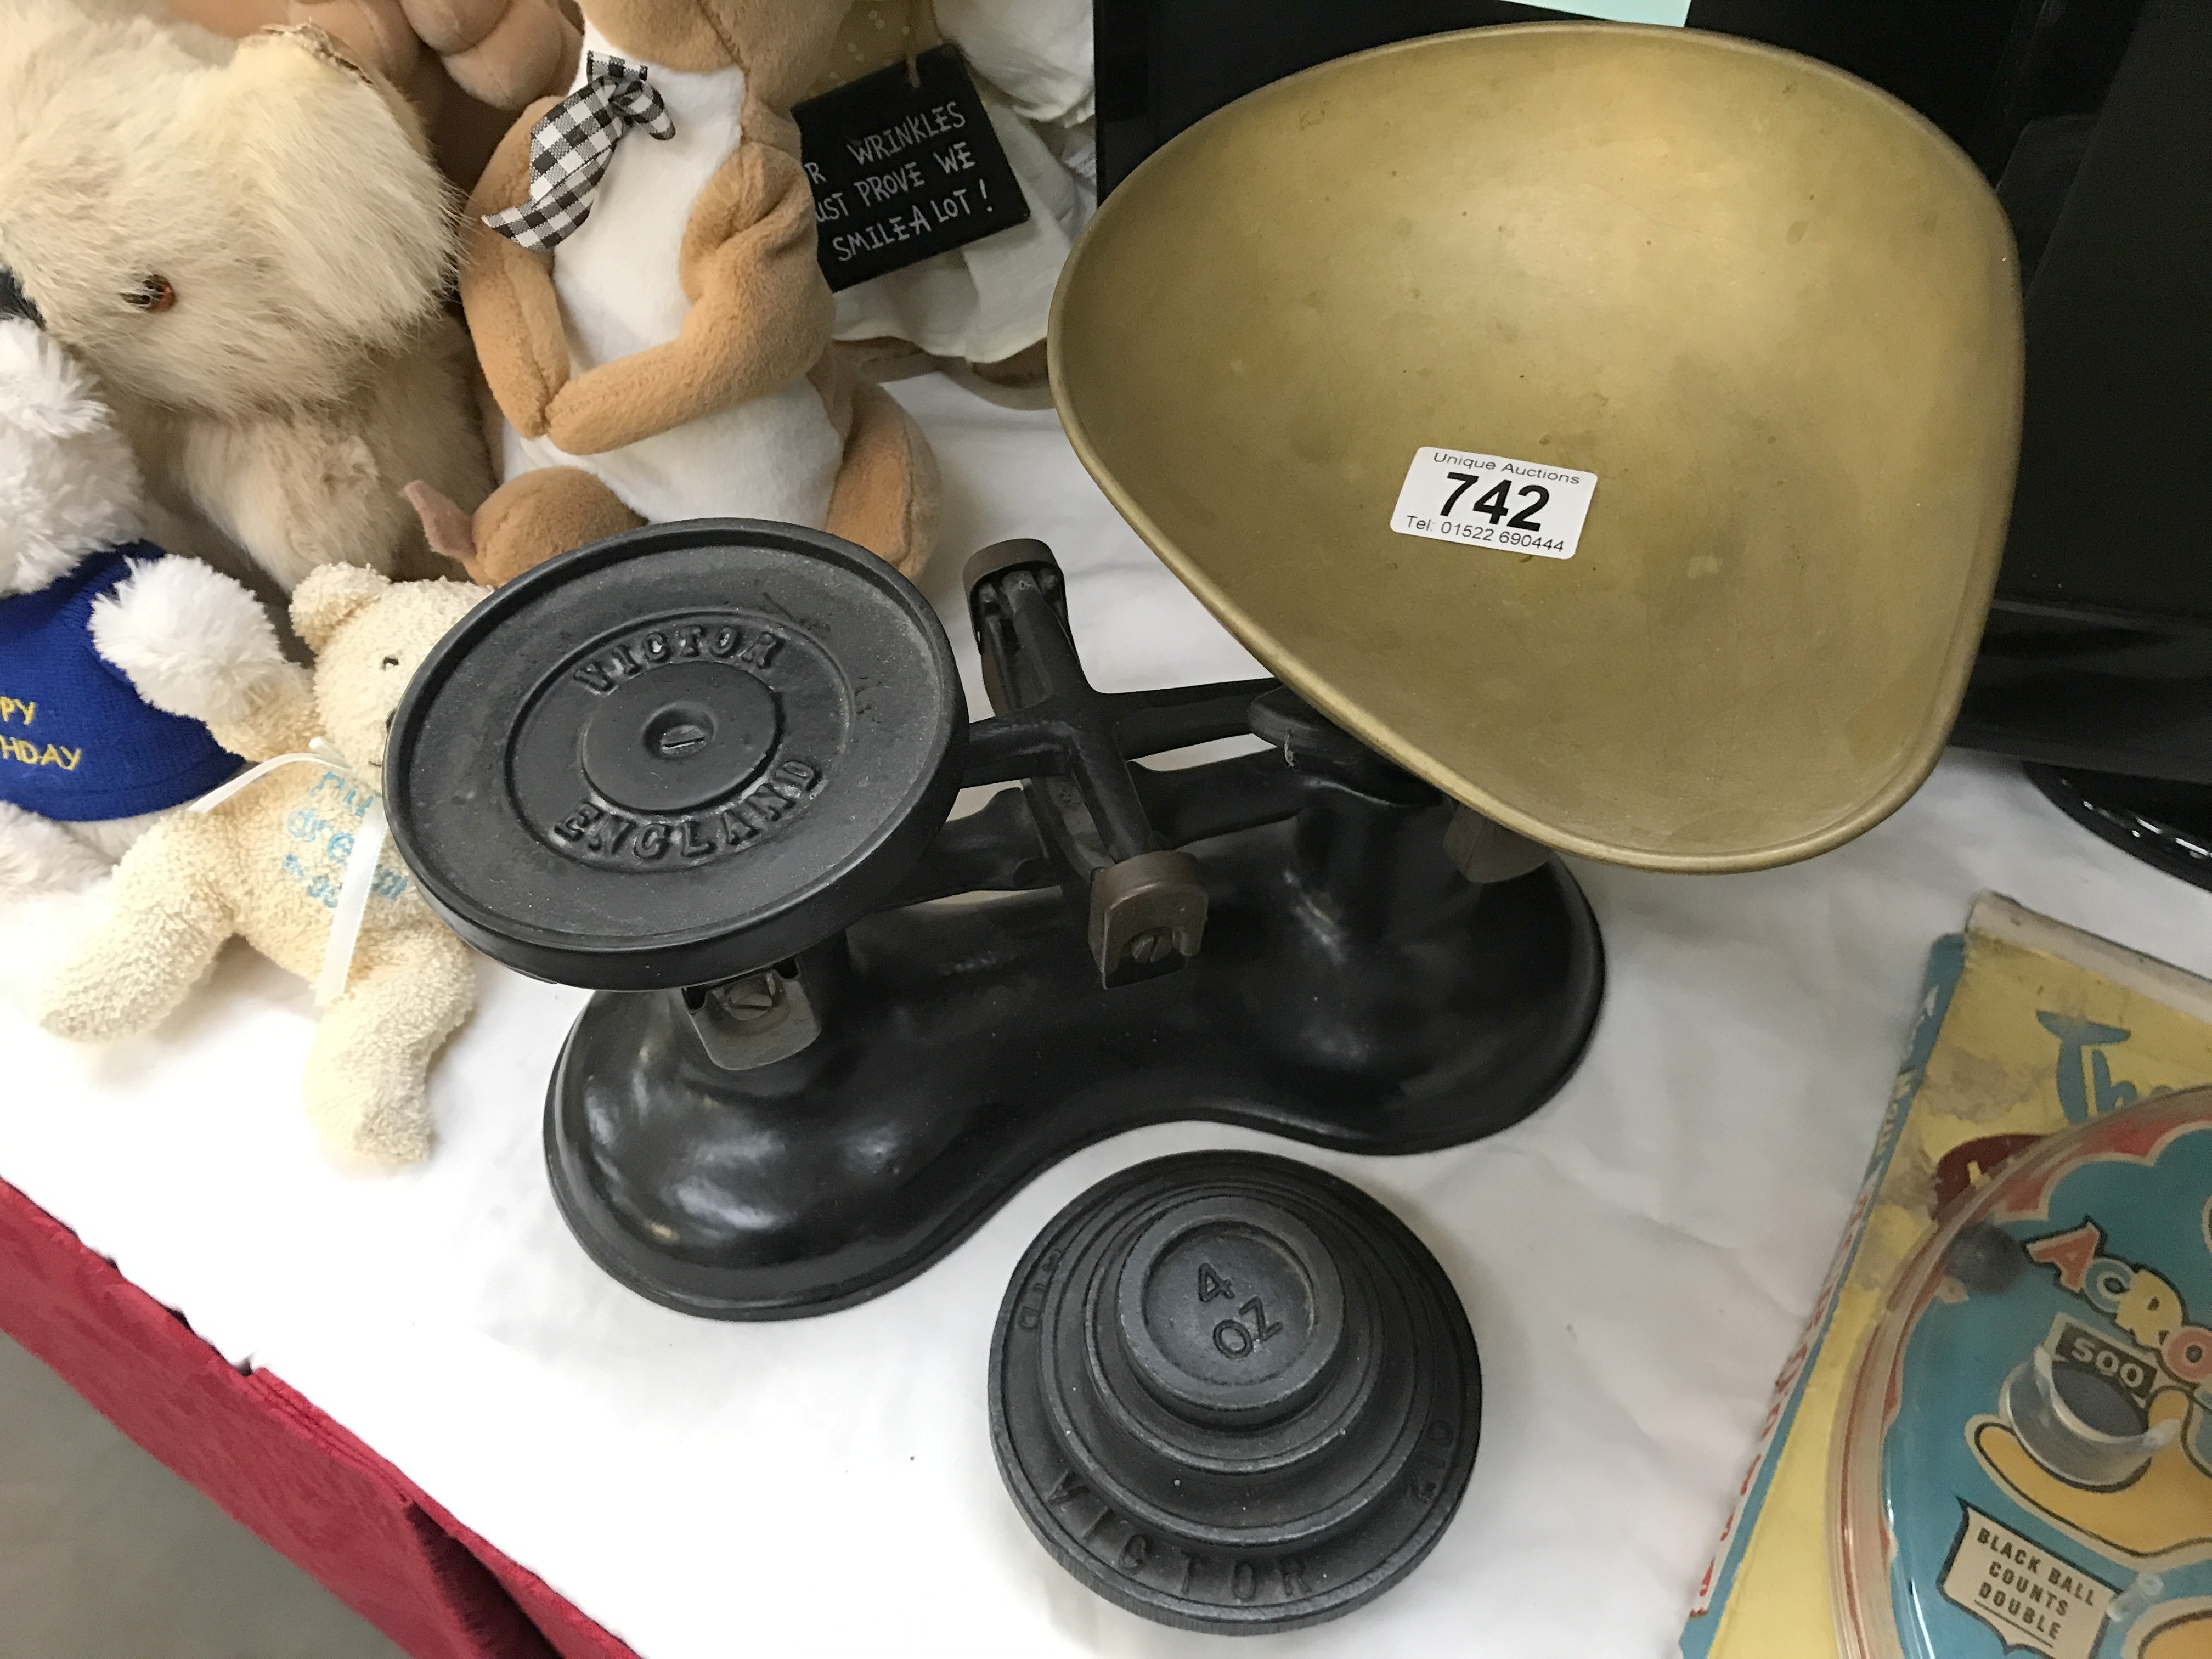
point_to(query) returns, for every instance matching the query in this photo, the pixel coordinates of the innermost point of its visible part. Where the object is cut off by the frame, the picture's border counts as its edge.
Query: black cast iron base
(967, 1044)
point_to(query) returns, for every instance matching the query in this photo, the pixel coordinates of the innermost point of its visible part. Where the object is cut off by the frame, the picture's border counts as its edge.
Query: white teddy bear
(97, 628)
(294, 862)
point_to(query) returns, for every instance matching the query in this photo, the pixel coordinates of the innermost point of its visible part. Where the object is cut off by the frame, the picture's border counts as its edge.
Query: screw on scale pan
(1233, 1393)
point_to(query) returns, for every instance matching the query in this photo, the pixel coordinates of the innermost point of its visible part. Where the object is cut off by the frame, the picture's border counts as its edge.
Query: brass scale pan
(1774, 312)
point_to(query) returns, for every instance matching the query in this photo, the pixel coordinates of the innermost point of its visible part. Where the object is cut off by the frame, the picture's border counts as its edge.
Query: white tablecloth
(1636, 1259)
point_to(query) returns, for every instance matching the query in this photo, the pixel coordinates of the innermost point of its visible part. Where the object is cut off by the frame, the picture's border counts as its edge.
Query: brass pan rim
(1286, 664)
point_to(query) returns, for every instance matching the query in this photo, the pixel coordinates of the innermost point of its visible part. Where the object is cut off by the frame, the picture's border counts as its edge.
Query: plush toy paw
(373, 1110)
(527, 521)
(451, 533)
(504, 53)
(90, 997)
(886, 497)
(192, 640)
(162, 924)
(71, 1004)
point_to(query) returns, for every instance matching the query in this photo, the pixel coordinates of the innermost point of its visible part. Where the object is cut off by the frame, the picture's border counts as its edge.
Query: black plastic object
(2098, 656)
(2166, 825)
(677, 756)
(1234, 1393)
(1979, 69)
(834, 1080)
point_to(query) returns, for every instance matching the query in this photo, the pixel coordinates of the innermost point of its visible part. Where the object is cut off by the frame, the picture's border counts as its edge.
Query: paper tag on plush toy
(904, 168)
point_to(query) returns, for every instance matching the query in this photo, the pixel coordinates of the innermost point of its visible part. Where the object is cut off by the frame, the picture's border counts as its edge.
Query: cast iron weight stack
(705, 769)
(1233, 1393)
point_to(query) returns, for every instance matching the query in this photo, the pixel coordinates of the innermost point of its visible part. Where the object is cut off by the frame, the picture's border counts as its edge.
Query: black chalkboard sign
(904, 167)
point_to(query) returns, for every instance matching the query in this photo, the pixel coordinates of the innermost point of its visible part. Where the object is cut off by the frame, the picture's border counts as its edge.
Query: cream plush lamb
(88, 763)
(271, 864)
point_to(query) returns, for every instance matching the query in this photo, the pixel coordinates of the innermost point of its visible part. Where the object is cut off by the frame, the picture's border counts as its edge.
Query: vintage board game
(2026, 1028)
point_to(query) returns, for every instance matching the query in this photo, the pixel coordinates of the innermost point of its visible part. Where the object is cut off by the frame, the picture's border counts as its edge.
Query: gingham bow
(571, 146)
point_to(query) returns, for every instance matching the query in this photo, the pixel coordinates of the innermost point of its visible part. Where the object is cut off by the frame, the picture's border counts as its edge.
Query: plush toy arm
(500, 53)
(760, 316)
(166, 917)
(280, 718)
(515, 315)
(195, 643)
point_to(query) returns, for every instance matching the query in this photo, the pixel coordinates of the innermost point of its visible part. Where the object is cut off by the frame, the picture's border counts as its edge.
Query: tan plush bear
(248, 244)
(639, 271)
(269, 864)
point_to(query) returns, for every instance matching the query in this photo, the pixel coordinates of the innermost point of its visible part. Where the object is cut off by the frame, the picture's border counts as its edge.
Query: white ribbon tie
(360, 877)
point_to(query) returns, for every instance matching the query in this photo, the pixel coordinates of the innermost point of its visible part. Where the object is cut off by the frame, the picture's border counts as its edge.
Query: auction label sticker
(2029, 1597)
(1493, 501)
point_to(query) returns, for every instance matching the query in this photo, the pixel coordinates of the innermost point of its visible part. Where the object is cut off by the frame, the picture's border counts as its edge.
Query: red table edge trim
(282, 1469)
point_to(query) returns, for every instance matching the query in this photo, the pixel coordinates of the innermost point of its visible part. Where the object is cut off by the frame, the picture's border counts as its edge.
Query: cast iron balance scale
(706, 770)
